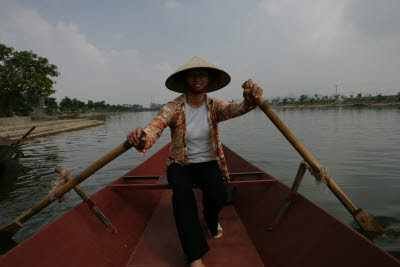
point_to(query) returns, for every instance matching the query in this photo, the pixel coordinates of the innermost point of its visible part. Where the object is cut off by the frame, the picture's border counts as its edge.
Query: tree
(24, 78)
(66, 103)
(51, 104)
(100, 106)
(77, 104)
(303, 98)
(90, 104)
(5, 55)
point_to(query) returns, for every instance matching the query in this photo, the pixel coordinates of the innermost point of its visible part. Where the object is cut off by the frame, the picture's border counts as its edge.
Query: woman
(196, 155)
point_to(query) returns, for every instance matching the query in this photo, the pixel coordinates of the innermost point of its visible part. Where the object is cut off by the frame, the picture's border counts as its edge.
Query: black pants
(208, 178)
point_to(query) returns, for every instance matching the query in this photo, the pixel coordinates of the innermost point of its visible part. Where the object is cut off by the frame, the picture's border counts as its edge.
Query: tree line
(320, 99)
(26, 79)
(74, 105)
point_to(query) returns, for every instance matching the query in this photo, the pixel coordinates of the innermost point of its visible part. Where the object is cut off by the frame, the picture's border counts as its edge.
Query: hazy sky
(122, 51)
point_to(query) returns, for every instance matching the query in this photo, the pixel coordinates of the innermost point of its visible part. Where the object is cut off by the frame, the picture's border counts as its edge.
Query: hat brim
(177, 81)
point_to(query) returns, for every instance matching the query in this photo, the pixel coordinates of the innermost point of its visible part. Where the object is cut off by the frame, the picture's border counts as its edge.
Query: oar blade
(9, 230)
(367, 223)
(6, 245)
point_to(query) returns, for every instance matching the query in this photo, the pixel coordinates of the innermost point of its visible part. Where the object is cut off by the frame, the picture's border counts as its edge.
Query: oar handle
(94, 167)
(122, 148)
(267, 109)
(82, 176)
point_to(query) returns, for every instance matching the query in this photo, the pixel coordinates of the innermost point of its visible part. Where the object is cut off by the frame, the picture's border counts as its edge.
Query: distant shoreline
(330, 105)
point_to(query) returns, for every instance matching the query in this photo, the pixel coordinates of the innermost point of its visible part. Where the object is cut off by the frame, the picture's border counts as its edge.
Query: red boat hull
(146, 233)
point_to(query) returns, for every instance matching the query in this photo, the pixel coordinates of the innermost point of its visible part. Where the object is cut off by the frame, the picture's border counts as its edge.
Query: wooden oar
(361, 217)
(19, 142)
(7, 231)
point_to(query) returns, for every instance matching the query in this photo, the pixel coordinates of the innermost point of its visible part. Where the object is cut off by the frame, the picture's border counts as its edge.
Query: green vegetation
(358, 100)
(74, 105)
(24, 78)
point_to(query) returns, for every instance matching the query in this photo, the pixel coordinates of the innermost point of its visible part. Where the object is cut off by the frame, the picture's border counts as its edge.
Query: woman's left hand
(256, 93)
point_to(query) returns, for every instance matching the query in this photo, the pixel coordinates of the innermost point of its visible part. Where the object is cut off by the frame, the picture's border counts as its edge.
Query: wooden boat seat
(162, 183)
(159, 244)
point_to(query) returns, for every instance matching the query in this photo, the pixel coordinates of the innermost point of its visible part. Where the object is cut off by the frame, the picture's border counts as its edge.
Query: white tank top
(198, 134)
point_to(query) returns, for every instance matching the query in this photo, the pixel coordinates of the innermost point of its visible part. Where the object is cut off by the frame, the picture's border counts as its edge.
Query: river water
(361, 148)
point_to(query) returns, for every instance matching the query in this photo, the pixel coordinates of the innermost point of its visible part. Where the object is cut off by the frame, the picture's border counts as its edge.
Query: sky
(123, 51)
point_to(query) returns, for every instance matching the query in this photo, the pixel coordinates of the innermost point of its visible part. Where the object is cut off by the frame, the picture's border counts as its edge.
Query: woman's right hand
(134, 138)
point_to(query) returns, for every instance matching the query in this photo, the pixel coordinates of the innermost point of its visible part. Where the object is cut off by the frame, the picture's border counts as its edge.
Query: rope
(56, 184)
(320, 177)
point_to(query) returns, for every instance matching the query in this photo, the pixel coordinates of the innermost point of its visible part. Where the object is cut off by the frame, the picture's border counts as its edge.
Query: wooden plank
(162, 185)
(244, 173)
(249, 183)
(135, 177)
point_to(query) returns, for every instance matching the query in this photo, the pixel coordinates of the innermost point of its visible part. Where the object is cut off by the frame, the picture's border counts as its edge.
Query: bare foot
(197, 263)
(219, 233)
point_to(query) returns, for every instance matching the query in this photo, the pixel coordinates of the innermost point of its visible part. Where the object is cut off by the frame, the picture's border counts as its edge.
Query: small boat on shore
(7, 149)
(143, 231)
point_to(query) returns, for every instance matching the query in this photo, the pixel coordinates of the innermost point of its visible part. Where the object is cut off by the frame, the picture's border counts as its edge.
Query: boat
(143, 232)
(7, 149)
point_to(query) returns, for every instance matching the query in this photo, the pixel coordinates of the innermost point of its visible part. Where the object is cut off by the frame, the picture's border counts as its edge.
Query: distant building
(127, 105)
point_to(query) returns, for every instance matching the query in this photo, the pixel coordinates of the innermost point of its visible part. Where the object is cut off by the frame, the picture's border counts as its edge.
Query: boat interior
(143, 231)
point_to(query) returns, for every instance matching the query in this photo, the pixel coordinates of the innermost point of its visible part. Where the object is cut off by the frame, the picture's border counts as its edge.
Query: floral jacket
(173, 115)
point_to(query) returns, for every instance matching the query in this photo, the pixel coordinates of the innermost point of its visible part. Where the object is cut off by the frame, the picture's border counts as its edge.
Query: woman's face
(197, 80)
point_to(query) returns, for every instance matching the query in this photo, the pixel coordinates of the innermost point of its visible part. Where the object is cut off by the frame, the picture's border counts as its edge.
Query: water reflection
(9, 172)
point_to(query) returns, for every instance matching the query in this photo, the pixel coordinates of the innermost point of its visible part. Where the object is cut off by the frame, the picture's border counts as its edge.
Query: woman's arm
(153, 130)
(226, 111)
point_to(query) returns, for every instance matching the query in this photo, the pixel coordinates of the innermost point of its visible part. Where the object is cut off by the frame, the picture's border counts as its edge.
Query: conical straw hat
(218, 78)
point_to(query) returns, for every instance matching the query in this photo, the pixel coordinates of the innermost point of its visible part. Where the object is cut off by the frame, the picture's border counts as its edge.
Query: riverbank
(39, 116)
(19, 126)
